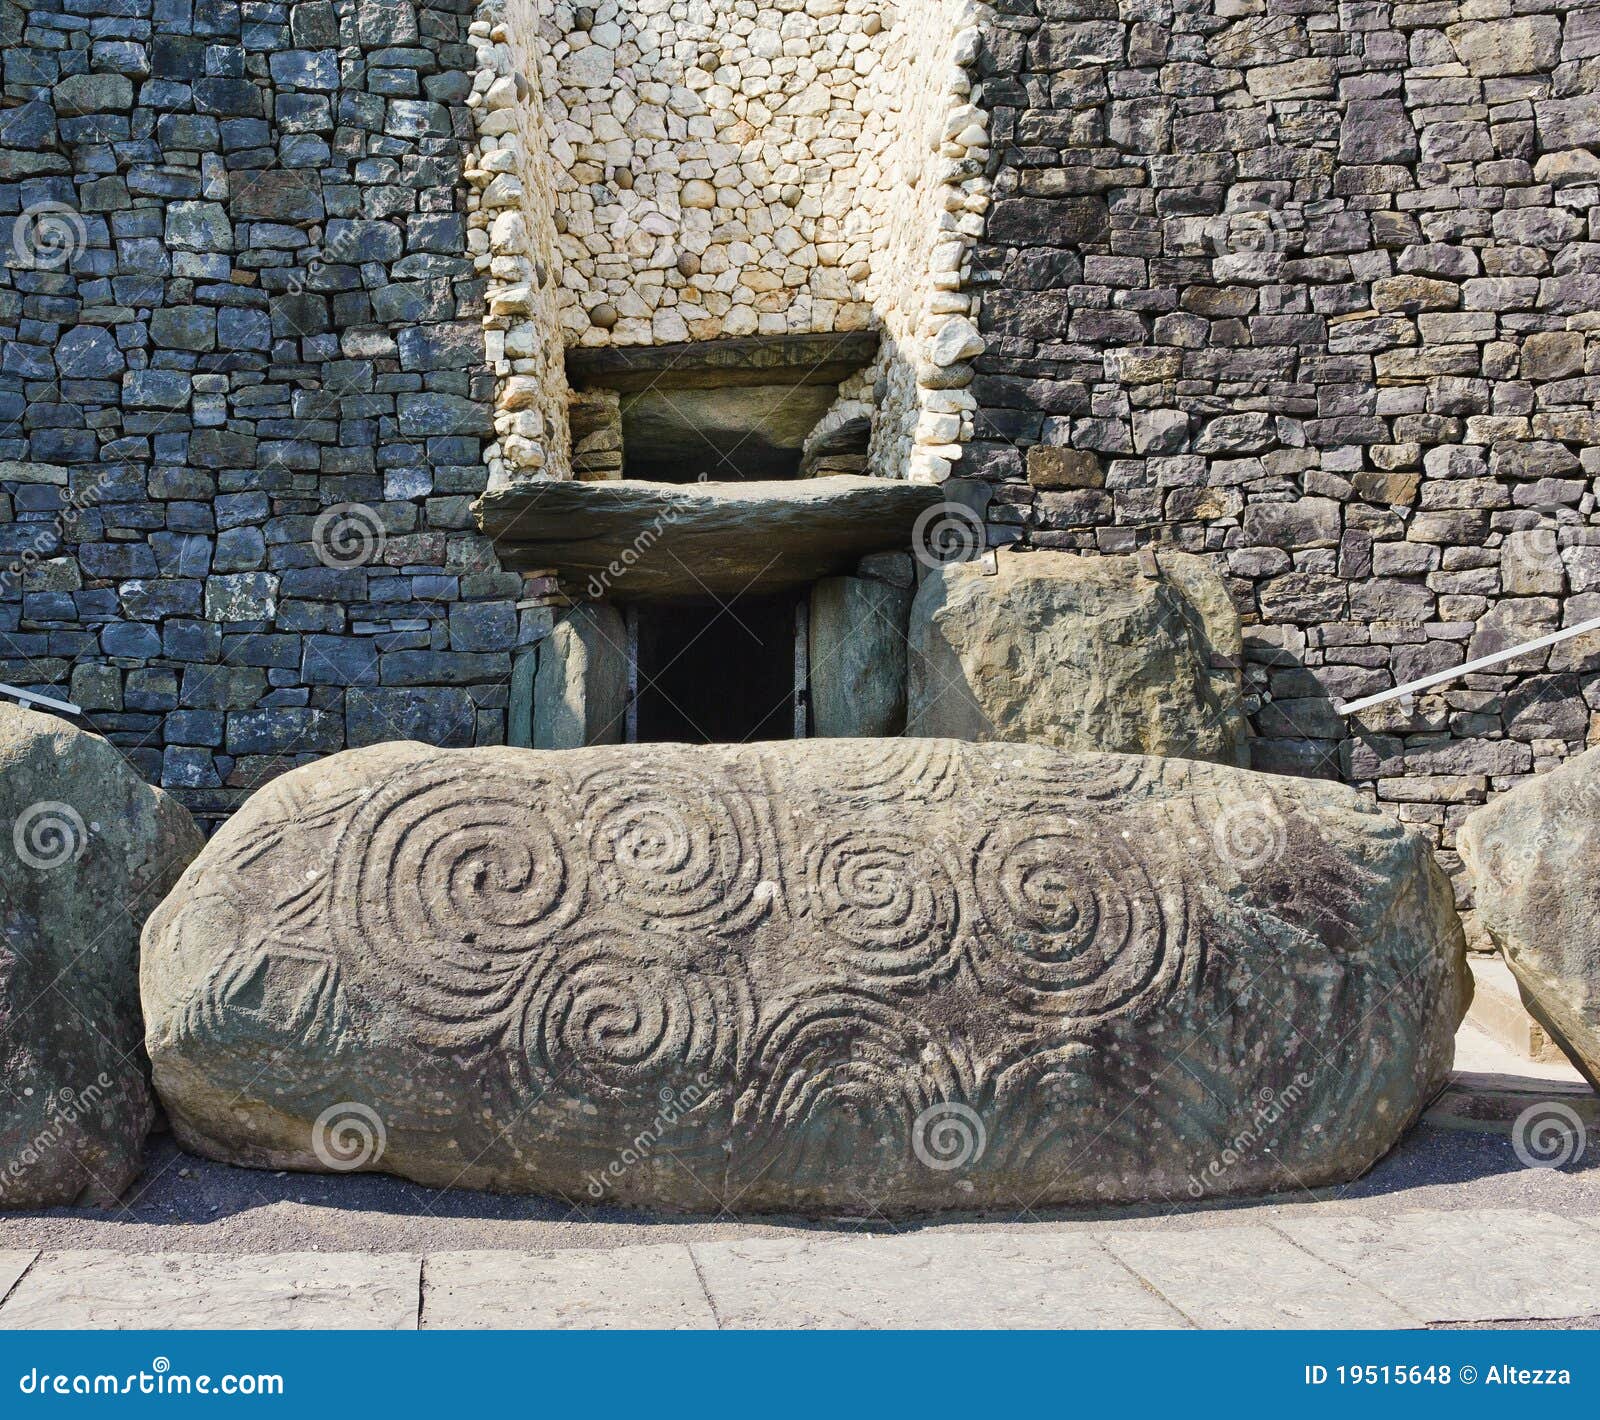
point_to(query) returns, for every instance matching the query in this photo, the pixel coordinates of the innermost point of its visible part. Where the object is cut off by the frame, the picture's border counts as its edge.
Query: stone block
(90, 851)
(857, 646)
(984, 962)
(1082, 652)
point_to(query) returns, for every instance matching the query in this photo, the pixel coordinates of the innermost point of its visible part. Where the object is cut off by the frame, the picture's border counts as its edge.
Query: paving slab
(1225, 1278)
(12, 1265)
(624, 1289)
(1482, 1264)
(934, 1280)
(281, 1291)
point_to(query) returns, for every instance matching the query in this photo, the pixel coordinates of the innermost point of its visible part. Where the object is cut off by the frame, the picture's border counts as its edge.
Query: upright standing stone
(858, 658)
(1089, 653)
(86, 850)
(580, 690)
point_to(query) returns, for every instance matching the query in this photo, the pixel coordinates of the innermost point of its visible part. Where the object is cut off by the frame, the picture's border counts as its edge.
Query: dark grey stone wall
(242, 394)
(1312, 287)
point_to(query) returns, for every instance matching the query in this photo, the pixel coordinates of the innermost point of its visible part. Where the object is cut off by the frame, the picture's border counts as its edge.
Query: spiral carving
(478, 865)
(1074, 924)
(676, 849)
(894, 771)
(832, 1071)
(887, 905)
(743, 977)
(609, 1019)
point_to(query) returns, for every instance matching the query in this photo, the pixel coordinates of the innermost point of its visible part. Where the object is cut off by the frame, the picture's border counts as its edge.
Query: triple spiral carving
(637, 922)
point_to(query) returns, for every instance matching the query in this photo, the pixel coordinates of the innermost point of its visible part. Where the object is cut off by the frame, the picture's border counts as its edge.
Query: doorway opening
(719, 673)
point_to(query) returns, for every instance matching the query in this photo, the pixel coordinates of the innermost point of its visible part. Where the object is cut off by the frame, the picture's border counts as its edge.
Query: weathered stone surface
(886, 974)
(89, 850)
(1089, 653)
(580, 691)
(284, 1291)
(629, 540)
(1530, 854)
(614, 1289)
(858, 658)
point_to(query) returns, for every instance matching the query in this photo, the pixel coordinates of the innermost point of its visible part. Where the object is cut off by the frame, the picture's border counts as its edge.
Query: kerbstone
(1526, 855)
(980, 958)
(88, 851)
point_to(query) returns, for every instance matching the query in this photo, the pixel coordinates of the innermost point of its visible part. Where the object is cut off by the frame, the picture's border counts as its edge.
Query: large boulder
(1135, 655)
(847, 975)
(1530, 855)
(88, 848)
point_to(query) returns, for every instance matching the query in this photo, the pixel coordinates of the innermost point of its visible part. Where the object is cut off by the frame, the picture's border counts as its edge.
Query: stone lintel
(799, 359)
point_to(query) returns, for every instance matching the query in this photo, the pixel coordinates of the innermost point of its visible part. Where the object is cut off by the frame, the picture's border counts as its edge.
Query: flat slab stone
(1481, 1265)
(621, 1289)
(930, 1280)
(630, 540)
(787, 359)
(1251, 1278)
(12, 1265)
(294, 1291)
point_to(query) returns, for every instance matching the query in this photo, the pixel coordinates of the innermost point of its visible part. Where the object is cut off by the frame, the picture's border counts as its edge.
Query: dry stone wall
(720, 168)
(1313, 288)
(243, 396)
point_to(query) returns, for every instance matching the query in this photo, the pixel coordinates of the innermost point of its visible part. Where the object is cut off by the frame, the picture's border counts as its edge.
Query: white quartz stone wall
(512, 236)
(720, 168)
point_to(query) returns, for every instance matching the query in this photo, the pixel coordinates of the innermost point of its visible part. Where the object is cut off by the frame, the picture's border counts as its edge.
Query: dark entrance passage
(714, 674)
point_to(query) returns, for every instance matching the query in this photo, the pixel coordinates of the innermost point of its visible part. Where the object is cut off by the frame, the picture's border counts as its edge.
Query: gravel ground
(185, 1204)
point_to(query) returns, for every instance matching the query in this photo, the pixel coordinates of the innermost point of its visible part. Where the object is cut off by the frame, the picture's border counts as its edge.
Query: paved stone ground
(1449, 1230)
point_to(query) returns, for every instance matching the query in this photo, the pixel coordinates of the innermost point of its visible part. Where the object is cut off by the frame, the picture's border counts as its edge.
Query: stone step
(1498, 1011)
